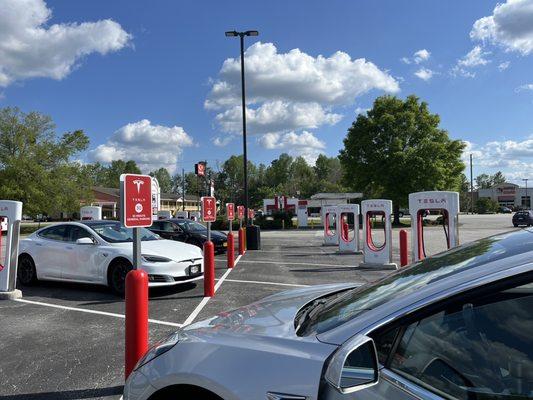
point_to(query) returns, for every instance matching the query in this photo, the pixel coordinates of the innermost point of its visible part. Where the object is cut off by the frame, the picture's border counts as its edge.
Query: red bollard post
(241, 241)
(345, 229)
(231, 250)
(209, 269)
(136, 318)
(404, 255)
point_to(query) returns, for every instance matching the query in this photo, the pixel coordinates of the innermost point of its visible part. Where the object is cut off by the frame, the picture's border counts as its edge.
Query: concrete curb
(391, 266)
(13, 295)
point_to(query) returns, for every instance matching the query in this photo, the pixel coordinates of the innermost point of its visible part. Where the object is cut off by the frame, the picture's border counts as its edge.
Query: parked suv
(524, 217)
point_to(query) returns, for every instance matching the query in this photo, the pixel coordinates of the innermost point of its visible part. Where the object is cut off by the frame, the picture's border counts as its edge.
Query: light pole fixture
(241, 36)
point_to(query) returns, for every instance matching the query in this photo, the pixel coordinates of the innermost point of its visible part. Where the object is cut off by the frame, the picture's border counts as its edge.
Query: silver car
(458, 325)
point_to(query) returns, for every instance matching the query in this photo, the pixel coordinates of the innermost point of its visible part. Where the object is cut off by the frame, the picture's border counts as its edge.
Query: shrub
(486, 205)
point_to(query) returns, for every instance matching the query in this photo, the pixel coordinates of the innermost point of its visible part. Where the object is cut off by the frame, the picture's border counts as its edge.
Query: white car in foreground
(101, 252)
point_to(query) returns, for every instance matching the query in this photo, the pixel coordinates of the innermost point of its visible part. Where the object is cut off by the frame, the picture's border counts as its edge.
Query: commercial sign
(230, 211)
(136, 200)
(209, 209)
(199, 169)
(240, 212)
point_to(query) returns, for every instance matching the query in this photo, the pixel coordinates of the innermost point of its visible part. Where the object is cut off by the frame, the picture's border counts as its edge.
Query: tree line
(394, 149)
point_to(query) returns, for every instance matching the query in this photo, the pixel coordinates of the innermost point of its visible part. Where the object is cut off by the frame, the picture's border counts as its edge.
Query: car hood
(174, 250)
(216, 235)
(272, 316)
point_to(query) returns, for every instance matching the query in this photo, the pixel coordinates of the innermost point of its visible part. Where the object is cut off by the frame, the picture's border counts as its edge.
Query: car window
(481, 349)
(411, 279)
(58, 233)
(166, 226)
(77, 232)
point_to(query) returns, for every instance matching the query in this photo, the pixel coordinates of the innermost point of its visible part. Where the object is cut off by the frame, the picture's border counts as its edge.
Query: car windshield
(116, 233)
(409, 280)
(191, 226)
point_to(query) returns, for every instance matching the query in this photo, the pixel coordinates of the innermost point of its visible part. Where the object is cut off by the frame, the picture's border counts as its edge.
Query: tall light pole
(528, 203)
(241, 35)
(471, 186)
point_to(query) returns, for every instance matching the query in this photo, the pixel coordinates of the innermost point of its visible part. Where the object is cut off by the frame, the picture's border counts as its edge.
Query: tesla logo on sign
(209, 209)
(230, 211)
(136, 200)
(240, 212)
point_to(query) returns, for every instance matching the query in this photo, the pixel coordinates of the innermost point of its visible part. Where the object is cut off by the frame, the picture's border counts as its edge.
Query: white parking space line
(297, 263)
(266, 283)
(85, 310)
(205, 300)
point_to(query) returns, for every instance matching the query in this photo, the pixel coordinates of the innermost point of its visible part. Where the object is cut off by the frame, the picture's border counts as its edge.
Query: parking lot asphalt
(66, 341)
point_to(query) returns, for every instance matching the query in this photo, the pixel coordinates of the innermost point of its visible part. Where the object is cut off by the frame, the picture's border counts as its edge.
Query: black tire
(116, 276)
(26, 273)
(400, 214)
(515, 225)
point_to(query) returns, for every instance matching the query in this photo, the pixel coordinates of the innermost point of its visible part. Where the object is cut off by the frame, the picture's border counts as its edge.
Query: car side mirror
(354, 366)
(85, 240)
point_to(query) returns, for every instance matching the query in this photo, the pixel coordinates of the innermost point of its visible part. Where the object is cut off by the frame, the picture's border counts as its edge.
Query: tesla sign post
(230, 213)
(135, 213)
(209, 214)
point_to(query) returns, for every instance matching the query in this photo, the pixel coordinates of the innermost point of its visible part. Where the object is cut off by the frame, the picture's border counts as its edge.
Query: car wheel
(117, 276)
(400, 214)
(26, 273)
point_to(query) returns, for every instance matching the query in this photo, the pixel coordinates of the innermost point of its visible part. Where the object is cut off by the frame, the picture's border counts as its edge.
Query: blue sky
(147, 80)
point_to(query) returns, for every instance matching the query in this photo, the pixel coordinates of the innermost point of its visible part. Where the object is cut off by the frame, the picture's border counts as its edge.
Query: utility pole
(471, 186)
(527, 201)
(183, 189)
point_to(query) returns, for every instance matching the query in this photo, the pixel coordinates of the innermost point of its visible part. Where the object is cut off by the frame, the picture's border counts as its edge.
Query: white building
(508, 194)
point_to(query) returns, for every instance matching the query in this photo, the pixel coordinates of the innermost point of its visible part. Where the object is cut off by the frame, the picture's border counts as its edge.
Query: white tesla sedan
(101, 252)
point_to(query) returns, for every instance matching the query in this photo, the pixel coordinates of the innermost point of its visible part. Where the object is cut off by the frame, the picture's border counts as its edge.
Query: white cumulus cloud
(151, 146)
(419, 56)
(304, 144)
(30, 48)
(290, 92)
(510, 26)
(525, 87)
(504, 65)
(474, 58)
(513, 157)
(424, 73)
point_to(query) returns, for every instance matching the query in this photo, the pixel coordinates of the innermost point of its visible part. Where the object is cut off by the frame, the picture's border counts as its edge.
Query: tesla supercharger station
(194, 215)
(182, 214)
(331, 230)
(445, 202)
(12, 212)
(89, 213)
(373, 255)
(345, 212)
(301, 213)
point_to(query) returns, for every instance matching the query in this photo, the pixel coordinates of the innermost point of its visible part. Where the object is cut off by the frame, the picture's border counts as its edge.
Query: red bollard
(209, 269)
(241, 241)
(136, 318)
(404, 255)
(231, 250)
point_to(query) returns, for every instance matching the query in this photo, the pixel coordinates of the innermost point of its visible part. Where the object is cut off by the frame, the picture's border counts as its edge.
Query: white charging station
(375, 256)
(301, 213)
(182, 214)
(348, 244)
(12, 212)
(194, 215)
(419, 203)
(88, 213)
(331, 231)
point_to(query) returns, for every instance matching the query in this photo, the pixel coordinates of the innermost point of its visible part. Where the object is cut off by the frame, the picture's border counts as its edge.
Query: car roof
(506, 254)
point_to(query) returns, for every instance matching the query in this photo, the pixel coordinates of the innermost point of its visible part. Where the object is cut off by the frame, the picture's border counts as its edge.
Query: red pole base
(136, 318)
(404, 255)
(241, 241)
(231, 250)
(209, 269)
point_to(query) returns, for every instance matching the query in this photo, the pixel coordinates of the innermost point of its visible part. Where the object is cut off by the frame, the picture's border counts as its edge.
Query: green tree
(485, 181)
(398, 148)
(485, 205)
(37, 166)
(498, 178)
(165, 180)
(329, 173)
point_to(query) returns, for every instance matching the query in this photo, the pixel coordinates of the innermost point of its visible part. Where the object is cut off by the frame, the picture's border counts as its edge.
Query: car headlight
(157, 349)
(148, 258)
